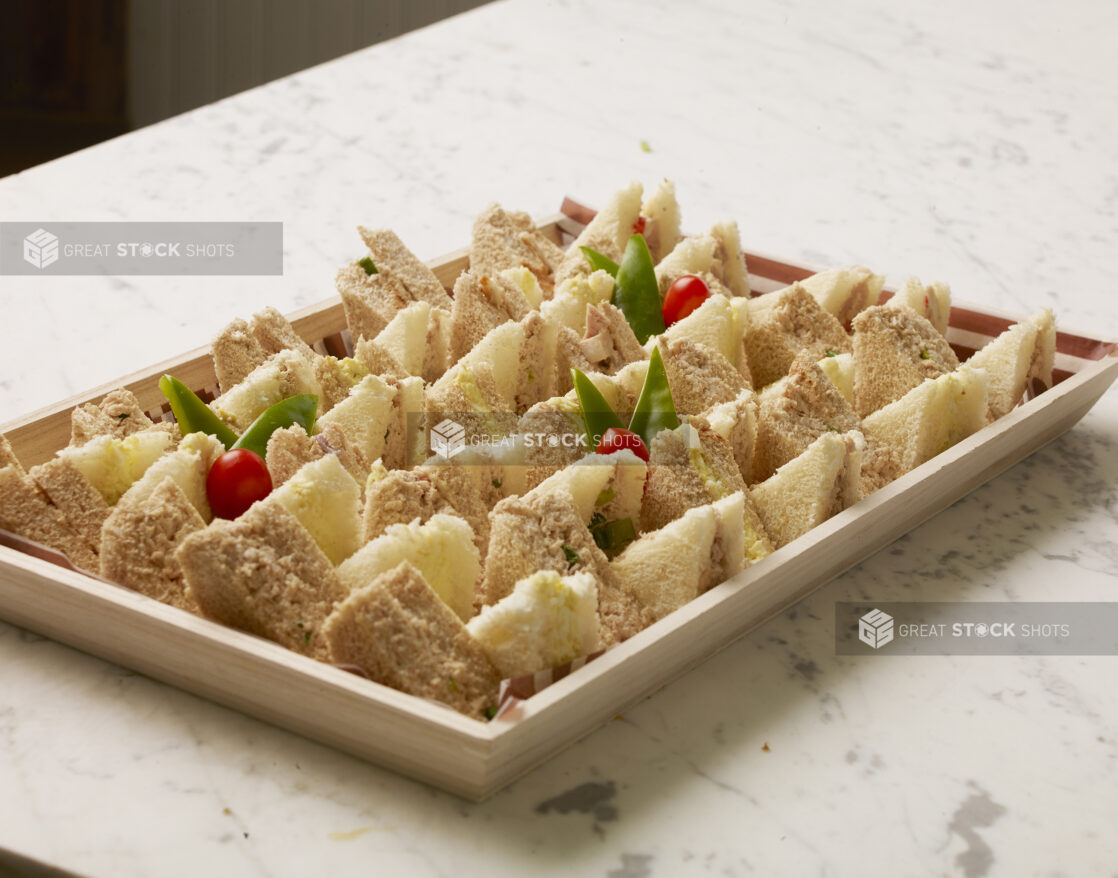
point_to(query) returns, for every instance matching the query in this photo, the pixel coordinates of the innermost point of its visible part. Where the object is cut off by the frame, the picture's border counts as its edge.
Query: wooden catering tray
(432, 743)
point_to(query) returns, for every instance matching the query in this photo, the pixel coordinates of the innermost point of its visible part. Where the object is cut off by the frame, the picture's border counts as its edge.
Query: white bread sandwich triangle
(610, 485)
(1044, 356)
(607, 233)
(931, 417)
(327, 502)
(112, 464)
(715, 257)
(609, 344)
(441, 548)
(414, 340)
(364, 416)
(707, 545)
(809, 489)
(713, 324)
(736, 422)
(1006, 361)
(845, 291)
(1022, 354)
(546, 621)
(661, 215)
(188, 466)
(931, 301)
(282, 375)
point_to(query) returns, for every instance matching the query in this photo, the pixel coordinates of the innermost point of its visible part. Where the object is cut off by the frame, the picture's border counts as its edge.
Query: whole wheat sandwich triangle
(895, 349)
(400, 634)
(504, 239)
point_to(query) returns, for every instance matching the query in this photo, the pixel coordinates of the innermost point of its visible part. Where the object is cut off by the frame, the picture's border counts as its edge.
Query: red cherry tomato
(615, 439)
(683, 297)
(237, 480)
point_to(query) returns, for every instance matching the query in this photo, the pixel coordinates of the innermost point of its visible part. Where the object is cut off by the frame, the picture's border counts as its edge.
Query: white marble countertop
(971, 142)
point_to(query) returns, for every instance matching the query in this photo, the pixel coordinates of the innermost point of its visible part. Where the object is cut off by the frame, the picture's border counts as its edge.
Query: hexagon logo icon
(448, 438)
(875, 629)
(40, 248)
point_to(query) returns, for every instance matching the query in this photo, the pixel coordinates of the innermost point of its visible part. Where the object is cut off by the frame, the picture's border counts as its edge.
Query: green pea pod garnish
(299, 410)
(612, 536)
(655, 408)
(597, 415)
(193, 415)
(636, 293)
(600, 262)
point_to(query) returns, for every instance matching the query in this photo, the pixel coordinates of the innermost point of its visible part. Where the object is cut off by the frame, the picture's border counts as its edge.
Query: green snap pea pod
(193, 415)
(655, 408)
(600, 262)
(299, 410)
(637, 294)
(612, 536)
(597, 415)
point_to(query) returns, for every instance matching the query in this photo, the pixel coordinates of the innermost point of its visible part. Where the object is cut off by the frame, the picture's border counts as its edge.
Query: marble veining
(973, 143)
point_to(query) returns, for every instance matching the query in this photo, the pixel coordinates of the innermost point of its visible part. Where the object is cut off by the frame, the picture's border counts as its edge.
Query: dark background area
(75, 73)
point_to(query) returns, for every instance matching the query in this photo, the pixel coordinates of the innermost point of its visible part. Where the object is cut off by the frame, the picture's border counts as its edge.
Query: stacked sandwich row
(543, 528)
